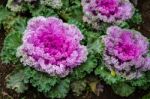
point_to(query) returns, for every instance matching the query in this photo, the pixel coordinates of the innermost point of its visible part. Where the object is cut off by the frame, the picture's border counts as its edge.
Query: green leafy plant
(12, 41)
(16, 82)
(53, 87)
(123, 89)
(4, 14)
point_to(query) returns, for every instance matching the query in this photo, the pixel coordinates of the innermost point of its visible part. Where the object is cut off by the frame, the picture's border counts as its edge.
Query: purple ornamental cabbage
(126, 52)
(51, 46)
(107, 10)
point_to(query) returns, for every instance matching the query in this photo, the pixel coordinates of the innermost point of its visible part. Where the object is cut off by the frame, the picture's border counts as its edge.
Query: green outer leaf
(77, 23)
(11, 42)
(15, 81)
(60, 90)
(123, 24)
(41, 81)
(42, 11)
(136, 19)
(14, 24)
(84, 69)
(123, 89)
(143, 82)
(52, 87)
(122, 84)
(4, 13)
(96, 47)
(105, 74)
(71, 9)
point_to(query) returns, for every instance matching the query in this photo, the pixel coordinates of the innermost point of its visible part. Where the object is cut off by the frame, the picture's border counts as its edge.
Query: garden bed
(105, 93)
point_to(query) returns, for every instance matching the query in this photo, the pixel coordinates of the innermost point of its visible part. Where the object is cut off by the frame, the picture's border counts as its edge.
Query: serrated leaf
(41, 81)
(11, 42)
(77, 23)
(123, 25)
(105, 74)
(85, 68)
(142, 82)
(15, 81)
(136, 19)
(15, 24)
(4, 13)
(91, 37)
(65, 3)
(123, 89)
(71, 10)
(96, 47)
(60, 90)
(20, 24)
(42, 11)
(139, 82)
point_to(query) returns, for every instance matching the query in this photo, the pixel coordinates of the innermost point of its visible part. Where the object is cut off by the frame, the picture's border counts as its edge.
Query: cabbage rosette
(126, 52)
(110, 11)
(51, 46)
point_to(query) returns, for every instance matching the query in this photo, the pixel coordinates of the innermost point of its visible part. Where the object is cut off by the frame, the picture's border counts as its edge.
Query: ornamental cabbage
(51, 46)
(107, 10)
(126, 52)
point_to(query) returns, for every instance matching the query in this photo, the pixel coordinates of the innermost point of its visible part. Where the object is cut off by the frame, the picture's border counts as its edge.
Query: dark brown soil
(5, 93)
(144, 6)
(4, 71)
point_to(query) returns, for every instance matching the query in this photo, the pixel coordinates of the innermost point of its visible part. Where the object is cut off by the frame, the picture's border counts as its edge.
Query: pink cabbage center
(127, 48)
(56, 44)
(107, 7)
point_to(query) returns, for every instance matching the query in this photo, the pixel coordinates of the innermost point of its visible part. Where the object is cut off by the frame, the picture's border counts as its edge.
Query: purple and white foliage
(126, 52)
(51, 46)
(110, 11)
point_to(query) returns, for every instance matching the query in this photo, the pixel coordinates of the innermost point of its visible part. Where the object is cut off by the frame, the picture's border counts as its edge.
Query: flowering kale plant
(56, 52)
(126, 52)
(52, 46)
(107, 10)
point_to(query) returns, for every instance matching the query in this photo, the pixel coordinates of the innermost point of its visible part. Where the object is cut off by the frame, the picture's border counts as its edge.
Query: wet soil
(144, 6)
